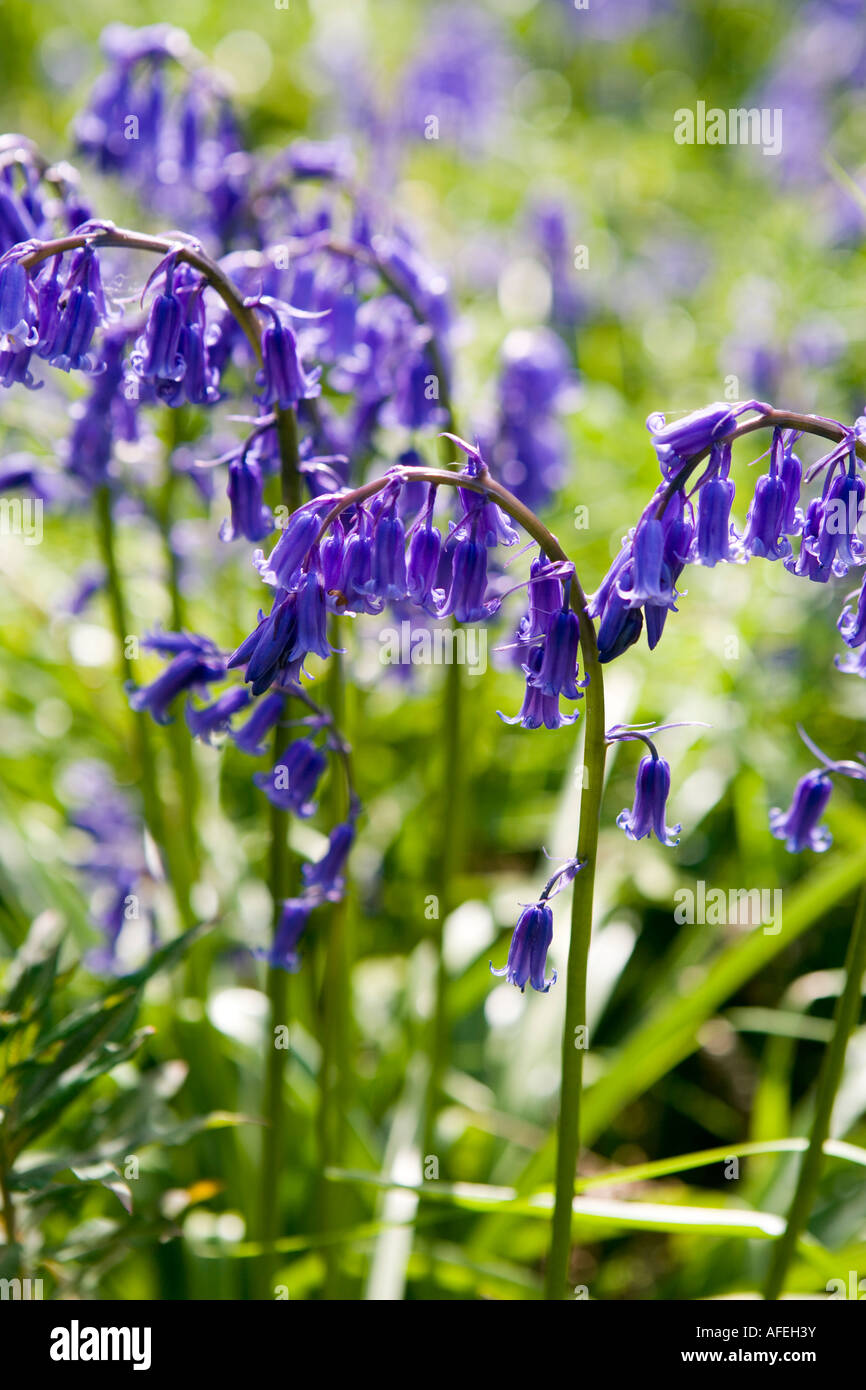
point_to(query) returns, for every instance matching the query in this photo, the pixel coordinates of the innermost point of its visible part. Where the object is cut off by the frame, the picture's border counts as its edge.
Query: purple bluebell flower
(312, 617)
(388, 557)
(282, 377)
(466, 596)
(17, 329)
(798, 826)
(808, 564)
(157, 355)
(325, 878)
(852, 622)
(714, 532)
(191, 670)
(545, 599)
(175, 643)
(679, 441)
(838, 543)
(15, 370)
(425, 553)
(291, 784)
(557, 674)
(215, 718)
(267, 712)
(293, 546)
(652, 787)
(283, 954)
(250, 518)
(764, 535)
(538, 709)
(265, 653)
(527, 954)
(82, 309)
(620, 625)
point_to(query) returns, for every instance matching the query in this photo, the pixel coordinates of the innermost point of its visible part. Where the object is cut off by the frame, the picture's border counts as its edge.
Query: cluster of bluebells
(346, 328)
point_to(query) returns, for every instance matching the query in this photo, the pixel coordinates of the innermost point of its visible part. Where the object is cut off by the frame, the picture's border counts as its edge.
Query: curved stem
(844, 1022)
(574, 1035)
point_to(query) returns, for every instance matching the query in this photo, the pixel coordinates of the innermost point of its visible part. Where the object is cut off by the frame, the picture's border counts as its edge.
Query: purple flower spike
(527, 954)
(798, 826)
(250, 737)
(283, 954)
(647, 815)
(291, 784)
(325, 878)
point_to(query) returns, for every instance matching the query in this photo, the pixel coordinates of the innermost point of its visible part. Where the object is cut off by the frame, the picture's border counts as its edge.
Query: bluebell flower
(15, 370)
(174, 643)
(838, 544)
(527, 954)
(798, 826)
(764, 535)
(215, 718)
(538, 709)
(250, 518)
(191, 670)
(17, 329)
(291, 784)
(468, 587)
(557, 674)
(425, 553)
(267, 712)
(545, 599)
(325, 878)
(808, 564)
(852, 622)
(157, 355)
(266, 652)
(388, 556)
(292, 548)
(679, 441)
(620, 625)
(283, 954)
(282, 377)
(647, 816)
(82, 309)
(714, 532)
(311, 617)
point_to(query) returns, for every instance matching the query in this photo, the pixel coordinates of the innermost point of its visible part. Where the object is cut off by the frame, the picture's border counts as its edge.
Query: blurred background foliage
(704, 264)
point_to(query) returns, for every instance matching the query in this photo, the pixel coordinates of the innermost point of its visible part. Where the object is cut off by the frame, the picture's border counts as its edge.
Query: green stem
(277, 986)
(8, 1208)
(447, 843)
(153, 810)
(574, 1038)
(844, 1021)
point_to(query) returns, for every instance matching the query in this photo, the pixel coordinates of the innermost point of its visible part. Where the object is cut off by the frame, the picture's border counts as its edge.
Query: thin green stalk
(335, 1016)
(153, 811)
(447, 842)
(574, 1036)
(277, 982)
(844, 1021)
